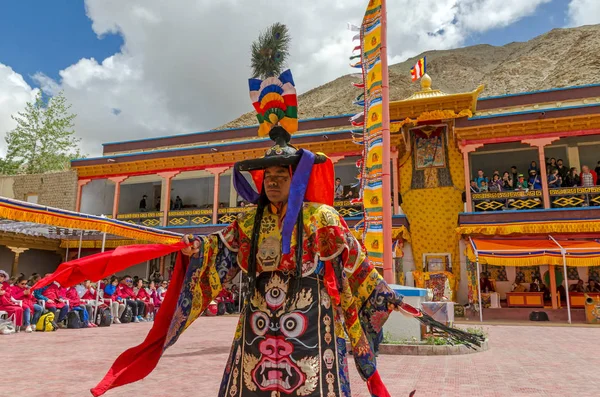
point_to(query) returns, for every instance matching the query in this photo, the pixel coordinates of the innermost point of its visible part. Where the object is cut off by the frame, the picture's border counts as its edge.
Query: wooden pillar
(165, 199)
(117, 181)
(80, 184)
(540, 143)
(553, 286)
(216, 171)
(466, 149)
(395, 181)
(15, 265)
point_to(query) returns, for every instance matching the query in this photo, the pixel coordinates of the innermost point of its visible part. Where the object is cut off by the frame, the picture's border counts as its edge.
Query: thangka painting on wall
(595, 274)
(497, 273)
(526, 274)
(438, 263)
(430, 157)
(429, 149)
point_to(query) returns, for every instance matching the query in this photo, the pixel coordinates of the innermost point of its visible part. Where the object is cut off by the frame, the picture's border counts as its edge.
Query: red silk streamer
(98, 266)
(376, 386)
(136, 363)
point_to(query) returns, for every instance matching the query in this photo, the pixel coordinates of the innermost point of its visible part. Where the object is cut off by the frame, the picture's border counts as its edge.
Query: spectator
(514, 174)
(339, 189)
(572, 178)
(597, 171)
(481, 178)
(80, 307)
(4, 278)
(588, 179)
(143, 295)
(31, 310)
(225, 300)
(496, 185)
(554, 179)
(534, 181)
(483, 187)
(592, 286)
(577, 287)
(178, 203)
(486, 284)
(154, 295)
(10, 307)
(53, 302)
(117, 304)
(474, 187)
(125, 291)
(534, 166)
(162, 290)
(521, 183)
(551, 165)
(507, 181)
(143, 205)
(562, 170)
(157, 204)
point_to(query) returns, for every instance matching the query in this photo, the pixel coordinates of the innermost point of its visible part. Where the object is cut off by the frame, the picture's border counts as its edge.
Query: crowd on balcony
(558, 175)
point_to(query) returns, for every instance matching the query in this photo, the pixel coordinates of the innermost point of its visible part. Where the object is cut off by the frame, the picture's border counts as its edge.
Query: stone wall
(55, 189)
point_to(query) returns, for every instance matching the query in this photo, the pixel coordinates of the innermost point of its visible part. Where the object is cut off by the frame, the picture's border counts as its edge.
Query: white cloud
(184, 65)
(14, 94)
(584, 12)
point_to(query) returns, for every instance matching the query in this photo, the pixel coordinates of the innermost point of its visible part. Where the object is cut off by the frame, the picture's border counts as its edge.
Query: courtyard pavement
(522, 361)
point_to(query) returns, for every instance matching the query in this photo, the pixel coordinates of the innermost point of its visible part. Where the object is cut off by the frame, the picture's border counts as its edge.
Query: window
(32, 198)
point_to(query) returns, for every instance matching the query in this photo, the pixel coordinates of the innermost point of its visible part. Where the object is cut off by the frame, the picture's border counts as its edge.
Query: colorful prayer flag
(419, 69)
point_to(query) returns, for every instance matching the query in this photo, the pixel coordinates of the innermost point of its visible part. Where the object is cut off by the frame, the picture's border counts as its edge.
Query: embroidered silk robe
(292, 344)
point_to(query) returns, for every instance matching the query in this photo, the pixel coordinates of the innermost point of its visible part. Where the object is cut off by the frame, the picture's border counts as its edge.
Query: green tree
(44, 139)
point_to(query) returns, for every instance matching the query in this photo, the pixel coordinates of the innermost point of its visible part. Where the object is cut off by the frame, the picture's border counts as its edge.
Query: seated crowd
(558, 175)
(28, 308)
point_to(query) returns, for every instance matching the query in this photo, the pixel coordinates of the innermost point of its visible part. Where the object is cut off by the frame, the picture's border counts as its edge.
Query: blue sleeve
(38, 294)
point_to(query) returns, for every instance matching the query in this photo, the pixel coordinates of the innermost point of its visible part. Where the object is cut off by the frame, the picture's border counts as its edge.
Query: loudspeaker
(538, 316)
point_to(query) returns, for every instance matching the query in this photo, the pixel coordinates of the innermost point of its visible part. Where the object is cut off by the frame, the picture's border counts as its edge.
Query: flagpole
(388, 269)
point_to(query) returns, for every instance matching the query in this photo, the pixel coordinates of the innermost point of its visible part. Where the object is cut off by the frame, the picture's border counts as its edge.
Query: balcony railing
(510, 200)
(201, 217)
(573, 197)
(150, 219)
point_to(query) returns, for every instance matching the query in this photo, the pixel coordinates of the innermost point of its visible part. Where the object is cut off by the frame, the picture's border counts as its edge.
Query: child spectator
(534, 181)
(142, 294)
(50, 294)
(125, 291)
(112, 298)
(483, 187)
(4, 278)
(554, 179)
(31, 310)
(10, 307)
(521, 183)
(496, 185)
(534, 167)
(154, 295)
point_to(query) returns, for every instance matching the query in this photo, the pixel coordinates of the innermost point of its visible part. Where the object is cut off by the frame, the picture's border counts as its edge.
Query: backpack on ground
(127, 315)
(103, 317)
(46, 323)
(6, 327)
(73, 320)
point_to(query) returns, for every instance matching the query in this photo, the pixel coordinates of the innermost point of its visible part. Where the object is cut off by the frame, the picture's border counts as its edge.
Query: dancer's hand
(191, 249)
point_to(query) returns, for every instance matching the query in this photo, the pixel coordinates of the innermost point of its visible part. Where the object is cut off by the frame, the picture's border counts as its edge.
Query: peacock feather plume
(271, 51)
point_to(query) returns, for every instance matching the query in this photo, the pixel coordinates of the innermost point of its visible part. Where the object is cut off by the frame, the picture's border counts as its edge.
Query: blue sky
(547, 17)
(48, 36)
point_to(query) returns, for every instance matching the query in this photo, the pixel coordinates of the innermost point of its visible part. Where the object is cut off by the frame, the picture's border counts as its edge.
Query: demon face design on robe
(281, 349)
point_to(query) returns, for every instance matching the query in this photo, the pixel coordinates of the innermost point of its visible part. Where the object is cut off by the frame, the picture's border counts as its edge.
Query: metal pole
(478, 278)
(388, 272)
(80, 242)
(98, 283)
(563, 252)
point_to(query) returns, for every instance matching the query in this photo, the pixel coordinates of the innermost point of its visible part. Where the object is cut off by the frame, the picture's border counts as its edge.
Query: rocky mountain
(559, 58)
